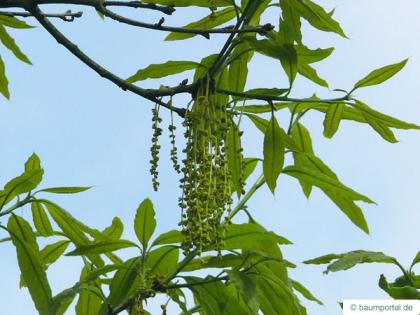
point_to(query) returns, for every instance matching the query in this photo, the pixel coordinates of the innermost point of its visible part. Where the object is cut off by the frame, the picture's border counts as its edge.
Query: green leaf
(4, 83)
(65, 190)
(33, 163)
(163, 260)
(305, 292)
(89, 302)
(71, 228)
(249, 236)
(101, 247)
(323, 181)
(261, 92)
(416, 260)
(332, 119)
(145, 222)
(405, 292)
(52, 252)
(317, 16)
(246, 287)
(171, 237)
(238, 70)
(323, 259)
(215, 19)
(40, 218)
(205, 63)
(162, 70)
(24, 183)
(30, 264)
(123, 283)
(380, 75)
(273, 153)
(234, 157)
(13, 22)
(308, 56)
(291, 21)
(10, 44)
(310, 73)
(283, 52)
(249, 166)
(115, 230)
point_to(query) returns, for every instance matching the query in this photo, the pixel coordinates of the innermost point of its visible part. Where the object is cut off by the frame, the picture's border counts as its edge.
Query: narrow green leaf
(144, 222)
(249, 166)
(10, 44)
(308, 56)
(310, 73)
(322, 181)
(162, 70)
(52, 252)
(41, 221)
(273, 153)
(24, 183)
(4, 83)
(115, 230)
(380, 75)
(215, 19)
(286, 54)
(71, 228)
(323, 259)
(65, 190)
(305, 292)
(206, 64)
(234, 156)
(171, 237)
(30, 264)
(101, 247)
(13, 22)
(88, 302)
(33, 163)
(238, 69)
(416, 260)
(291, 21)
(317, 16)
(332, 119)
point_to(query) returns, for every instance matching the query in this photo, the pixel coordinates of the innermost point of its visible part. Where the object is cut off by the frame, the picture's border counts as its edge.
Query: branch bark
(67, 16)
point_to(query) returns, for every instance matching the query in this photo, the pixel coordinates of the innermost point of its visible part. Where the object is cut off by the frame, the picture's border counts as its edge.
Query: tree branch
(150, 94)
(67, 16)
(204, 32)
(91, 3)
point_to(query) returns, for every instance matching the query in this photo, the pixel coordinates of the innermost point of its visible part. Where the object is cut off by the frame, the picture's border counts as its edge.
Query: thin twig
(67, 16)
(91, 3)
(150, 94)
(204, 32)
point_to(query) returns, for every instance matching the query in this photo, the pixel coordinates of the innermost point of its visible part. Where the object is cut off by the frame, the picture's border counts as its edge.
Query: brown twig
(204, 32)
(91, 3)
(67, 16)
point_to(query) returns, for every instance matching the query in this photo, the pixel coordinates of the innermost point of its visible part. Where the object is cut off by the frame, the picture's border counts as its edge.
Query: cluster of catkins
(206, 182)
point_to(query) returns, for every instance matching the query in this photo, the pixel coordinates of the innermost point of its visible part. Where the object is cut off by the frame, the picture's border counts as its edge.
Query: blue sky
(88, 132)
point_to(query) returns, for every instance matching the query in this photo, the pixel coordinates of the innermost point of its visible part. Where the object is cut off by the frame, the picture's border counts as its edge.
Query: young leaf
(308, 56)
(171, 237)
(215, 19)
(162, 70)
(163, 260)
(249, 166)
(332, 119)
(52, 252)
(380, 75)
(33, 163)
(399, 293)
(305, 292)
(101, 247)
(41, 221)
(30, 263)
(144, 222)
(4, 83)
(273, 153)
(310, 73)
(322, 181)
(89, 302)
(246, 287)
(234, 156)
(238, 70)
(323, 259)
(10, 44)
(24, 183)
(317, 16)
(115, 230)
(65, 190)
(13, 22)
